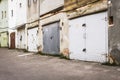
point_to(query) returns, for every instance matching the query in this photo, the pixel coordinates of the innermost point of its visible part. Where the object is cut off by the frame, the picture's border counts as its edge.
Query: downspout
(39, 45)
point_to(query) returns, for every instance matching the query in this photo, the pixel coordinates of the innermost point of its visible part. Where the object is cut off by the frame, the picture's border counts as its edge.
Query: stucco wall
(21, 12)
(12, 19)
(4, 20)
(49, 5)
(114, 31)
(32, 11)
(84, 9)
(73, 4)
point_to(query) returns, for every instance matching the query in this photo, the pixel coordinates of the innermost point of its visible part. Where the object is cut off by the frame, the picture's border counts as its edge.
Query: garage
(33, 39)
(51, 38)
(12, 40)
(89, 38)
(4, 39)
(21, 38)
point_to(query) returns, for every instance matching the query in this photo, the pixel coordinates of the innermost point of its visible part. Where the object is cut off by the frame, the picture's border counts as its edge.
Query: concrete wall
(21, 12)
(84, 8)
(4, 17)
(73, 4)
(49, 5)
(114, 30)
(12, 19)
(32, 11)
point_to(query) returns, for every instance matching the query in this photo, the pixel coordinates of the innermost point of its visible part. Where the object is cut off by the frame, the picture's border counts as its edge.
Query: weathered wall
(73, 4)
(12, 19)
(114, 30)
(84, 7)
(3, 15)
(32, 12)
(21, 9)
(49, 5)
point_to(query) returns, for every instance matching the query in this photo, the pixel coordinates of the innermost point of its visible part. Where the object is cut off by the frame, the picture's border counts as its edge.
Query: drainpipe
(38, 26)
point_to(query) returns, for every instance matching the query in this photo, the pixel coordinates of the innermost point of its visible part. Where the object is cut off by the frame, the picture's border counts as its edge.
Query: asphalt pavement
(19, 65)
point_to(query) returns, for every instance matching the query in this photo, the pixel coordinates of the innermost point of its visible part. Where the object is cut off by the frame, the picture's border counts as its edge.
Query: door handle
(84, 50)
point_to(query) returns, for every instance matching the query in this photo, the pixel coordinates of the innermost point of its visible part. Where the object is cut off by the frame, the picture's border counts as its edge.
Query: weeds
(61, 56)
(109, 64)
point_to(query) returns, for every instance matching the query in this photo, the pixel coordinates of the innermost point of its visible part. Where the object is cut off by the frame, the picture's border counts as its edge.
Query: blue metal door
(51, 36)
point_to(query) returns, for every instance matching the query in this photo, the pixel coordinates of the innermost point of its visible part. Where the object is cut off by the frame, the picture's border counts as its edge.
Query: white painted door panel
(76, 36)
(21, 39)
(33, 39)
(96, 37)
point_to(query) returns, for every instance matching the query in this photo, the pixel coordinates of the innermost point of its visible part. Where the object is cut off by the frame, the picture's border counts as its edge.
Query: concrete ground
(17, 65)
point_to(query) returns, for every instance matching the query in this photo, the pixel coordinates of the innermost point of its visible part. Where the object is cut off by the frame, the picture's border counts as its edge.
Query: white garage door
(77, 42)
(88, 38)
(33, 39)
(21, 39)
(4, 39)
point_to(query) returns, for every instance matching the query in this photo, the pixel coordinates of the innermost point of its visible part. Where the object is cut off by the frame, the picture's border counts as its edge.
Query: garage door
(33, 39)
(77, 40)
(12, 40)
(51, 38)
(21, 39)
(4, 39)
(88, 38)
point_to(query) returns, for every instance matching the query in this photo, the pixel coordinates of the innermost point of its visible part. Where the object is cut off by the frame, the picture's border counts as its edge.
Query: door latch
(84, 50)
(84, 25)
